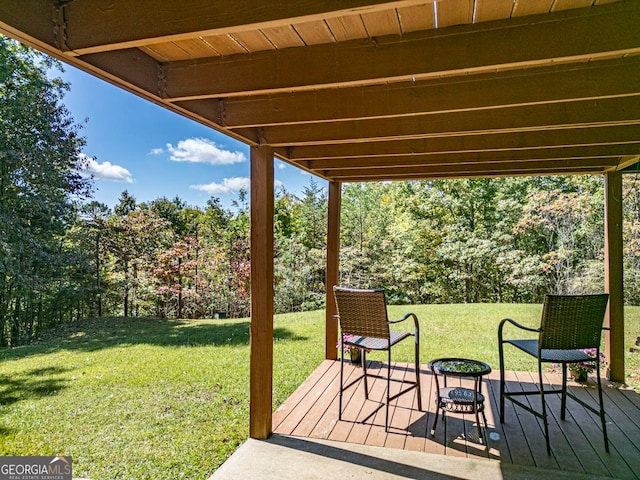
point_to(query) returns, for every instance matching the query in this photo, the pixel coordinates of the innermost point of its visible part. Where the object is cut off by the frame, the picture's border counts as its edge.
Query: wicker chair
(569, 324)
(364, 324)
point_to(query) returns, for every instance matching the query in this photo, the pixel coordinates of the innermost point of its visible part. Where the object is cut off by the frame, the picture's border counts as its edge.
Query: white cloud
(228, 185)
(201, 150)
(156, 151)
(281, 165)
(105, 171)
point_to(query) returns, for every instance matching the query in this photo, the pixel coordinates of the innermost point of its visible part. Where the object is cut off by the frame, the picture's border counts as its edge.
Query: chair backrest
(572, 321)
(362, 312)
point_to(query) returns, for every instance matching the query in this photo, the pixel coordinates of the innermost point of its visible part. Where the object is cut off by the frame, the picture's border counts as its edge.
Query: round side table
(459, 399)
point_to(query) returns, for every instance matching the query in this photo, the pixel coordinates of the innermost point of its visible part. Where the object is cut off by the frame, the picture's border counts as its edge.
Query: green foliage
(40, 152)
(436, 241)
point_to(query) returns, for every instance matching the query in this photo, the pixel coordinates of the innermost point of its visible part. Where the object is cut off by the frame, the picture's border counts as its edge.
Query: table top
(461, 367)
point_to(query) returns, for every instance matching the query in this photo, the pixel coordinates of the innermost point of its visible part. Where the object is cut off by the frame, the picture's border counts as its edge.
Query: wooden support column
(613, 279)
(261, 372)
(333, 264)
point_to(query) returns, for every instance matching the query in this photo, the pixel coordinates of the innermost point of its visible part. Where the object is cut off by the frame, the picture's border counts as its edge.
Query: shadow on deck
(517, 446)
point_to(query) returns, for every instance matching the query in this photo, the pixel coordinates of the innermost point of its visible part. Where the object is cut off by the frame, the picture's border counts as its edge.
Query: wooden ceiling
(357, 90)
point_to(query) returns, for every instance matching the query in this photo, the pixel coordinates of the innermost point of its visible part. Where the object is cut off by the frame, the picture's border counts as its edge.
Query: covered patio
(518, 444)
(373, 90)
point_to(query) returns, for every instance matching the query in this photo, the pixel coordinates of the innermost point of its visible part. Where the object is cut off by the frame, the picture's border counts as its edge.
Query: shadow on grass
(100, 333)
(36, 383)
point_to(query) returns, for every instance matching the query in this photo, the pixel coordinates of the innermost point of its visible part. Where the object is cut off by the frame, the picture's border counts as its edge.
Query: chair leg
(341, 383)
(435, 416)
(602, 419)
(386, 416)
(563, 402)
(419, 393)
(501, 354)
(544, 409)
(364, 374)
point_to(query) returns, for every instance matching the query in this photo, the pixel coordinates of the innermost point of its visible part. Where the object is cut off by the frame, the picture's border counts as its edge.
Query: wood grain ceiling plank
(569, 36)
(523, 8)
(198, 48)
(514, 142)
(283, 37)
(454, 12)
(154, 53)
(420, 17)
(619, 77)
(170, 51)
(559, 5)
(347, 28)
(224, 44)
(587, 114)
(314, 33)
(93, 28)
(488, 10)
(253, 41)
(381, 23)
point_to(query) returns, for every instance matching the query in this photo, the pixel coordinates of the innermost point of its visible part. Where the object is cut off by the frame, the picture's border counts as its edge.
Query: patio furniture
(364, 324)
(570, 325)
(459, 399)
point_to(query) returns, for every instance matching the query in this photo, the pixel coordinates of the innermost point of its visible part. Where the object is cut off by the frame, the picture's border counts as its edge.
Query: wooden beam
(626, 134)
(481, 169)
(443, 175)
(628, 161)
(31, 24)
(588, 114)
(601, 32)
(613, 275)
(583, 81)
(94, 27)
(333, 268)
(261, 370)
(131, 68)
(462, 158)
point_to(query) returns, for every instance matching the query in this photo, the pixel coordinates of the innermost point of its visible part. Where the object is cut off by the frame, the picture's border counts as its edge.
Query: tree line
(65, 257)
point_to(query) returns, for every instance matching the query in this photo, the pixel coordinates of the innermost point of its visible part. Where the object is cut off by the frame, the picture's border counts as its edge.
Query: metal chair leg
(419, 392)
(341, 383)
(386, 415)
(563, 400)
(602, 419)
(544, 409)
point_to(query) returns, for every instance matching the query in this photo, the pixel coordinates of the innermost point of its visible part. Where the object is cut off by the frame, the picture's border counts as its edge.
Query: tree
(40, 166)
(95, 215)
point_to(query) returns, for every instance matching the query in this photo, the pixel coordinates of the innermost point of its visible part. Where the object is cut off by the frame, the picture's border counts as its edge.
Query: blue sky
(136, 145)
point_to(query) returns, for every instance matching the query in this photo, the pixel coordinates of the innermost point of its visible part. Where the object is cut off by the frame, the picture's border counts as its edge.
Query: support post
(613, 275)
(333, 264)
(261, 370)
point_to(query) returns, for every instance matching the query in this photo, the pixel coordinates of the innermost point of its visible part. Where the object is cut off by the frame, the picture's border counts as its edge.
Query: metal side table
(459, 399)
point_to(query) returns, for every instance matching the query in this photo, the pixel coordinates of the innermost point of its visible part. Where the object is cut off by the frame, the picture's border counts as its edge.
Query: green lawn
(162, 399)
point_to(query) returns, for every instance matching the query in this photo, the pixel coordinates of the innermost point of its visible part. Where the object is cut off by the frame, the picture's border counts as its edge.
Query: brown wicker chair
(569, 324)
(363, 318)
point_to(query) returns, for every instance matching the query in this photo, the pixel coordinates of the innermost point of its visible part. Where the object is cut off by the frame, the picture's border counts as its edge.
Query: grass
(162, 399)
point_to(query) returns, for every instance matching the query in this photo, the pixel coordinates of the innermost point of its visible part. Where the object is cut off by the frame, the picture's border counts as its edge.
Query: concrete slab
(295, 458)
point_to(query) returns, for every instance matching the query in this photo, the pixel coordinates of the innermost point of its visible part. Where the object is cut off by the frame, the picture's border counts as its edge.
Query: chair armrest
(515, 324)
(415, 322)
(402, 319)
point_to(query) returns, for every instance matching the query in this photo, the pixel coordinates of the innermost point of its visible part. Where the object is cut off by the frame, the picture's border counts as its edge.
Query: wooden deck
(576, 443)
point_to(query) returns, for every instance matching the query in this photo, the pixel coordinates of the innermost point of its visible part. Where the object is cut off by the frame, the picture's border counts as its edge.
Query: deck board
(576, 443)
